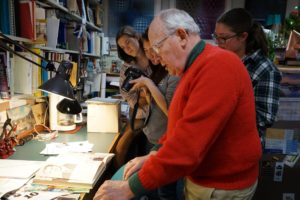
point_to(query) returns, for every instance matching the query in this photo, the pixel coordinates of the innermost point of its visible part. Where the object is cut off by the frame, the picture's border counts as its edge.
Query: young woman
(236, 31)
(129, 47)
(158, 89)
(156, 85)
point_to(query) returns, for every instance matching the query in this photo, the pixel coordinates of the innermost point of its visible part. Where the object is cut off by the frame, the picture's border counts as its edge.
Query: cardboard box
(283, 141)
(103, 115)
(289, 109)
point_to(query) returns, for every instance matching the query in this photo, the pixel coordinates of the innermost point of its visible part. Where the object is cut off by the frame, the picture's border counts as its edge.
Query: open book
(80, 170)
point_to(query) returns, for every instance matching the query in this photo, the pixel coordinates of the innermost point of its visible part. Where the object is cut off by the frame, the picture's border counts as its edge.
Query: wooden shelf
(289, 69)
(19, 39)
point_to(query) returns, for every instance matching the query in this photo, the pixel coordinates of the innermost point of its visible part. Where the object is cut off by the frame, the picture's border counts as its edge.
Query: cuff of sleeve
(136, 185)
(156, 147)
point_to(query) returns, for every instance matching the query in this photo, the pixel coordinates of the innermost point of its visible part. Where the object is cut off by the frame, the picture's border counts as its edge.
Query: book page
(18, 168)
(74, 167)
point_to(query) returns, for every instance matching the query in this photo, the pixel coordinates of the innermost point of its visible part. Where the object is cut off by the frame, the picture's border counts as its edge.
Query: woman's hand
(134, 165)
(140, 82)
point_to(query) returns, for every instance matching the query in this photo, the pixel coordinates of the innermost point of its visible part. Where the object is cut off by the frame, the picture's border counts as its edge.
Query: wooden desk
(103, 142)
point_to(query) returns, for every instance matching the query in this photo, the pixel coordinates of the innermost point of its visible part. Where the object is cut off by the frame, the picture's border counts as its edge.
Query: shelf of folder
(70, 14)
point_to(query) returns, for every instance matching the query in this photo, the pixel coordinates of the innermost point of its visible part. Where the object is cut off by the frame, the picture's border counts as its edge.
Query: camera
(131, 73)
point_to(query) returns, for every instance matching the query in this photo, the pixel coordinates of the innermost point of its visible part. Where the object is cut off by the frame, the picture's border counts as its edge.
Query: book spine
(4, 89)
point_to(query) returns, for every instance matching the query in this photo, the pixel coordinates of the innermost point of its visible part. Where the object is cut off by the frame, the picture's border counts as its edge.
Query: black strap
(134, 112)
(135, 108)
(158, 73)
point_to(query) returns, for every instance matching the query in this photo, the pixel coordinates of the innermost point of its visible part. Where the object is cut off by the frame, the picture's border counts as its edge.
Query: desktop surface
(103, 142)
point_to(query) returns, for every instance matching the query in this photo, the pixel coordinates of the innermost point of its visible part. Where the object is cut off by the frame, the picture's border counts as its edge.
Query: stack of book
(77, 170)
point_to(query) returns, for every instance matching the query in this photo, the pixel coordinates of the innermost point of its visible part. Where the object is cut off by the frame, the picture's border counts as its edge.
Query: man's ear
(182, 33)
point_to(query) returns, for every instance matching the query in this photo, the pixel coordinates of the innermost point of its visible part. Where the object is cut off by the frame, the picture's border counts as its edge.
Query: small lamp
(59, 85)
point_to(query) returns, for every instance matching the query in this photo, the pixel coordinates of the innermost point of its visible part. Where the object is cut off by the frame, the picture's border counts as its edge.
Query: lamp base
(66, 127)
(58, 120)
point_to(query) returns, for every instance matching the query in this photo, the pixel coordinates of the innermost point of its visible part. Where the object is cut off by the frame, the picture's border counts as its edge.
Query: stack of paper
(15, 173)
(80, 170)
(55, 148)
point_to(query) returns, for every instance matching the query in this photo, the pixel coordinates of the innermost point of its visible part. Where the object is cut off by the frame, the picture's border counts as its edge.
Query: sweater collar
(194, 54)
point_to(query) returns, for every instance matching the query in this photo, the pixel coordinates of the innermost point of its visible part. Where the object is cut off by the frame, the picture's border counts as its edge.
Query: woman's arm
(154, 91)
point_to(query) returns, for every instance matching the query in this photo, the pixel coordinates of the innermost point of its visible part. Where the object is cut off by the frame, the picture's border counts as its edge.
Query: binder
(4, 89)
(27, 14)
(22, 71)
(4, 19)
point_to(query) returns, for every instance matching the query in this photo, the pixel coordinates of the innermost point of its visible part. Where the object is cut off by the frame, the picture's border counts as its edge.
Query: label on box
(288, 196)
(278, 174)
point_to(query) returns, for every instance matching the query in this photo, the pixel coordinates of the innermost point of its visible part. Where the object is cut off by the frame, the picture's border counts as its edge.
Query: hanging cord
(44, 136)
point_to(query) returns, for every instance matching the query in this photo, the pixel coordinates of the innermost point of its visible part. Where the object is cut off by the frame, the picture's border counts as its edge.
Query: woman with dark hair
(157, 88)
(236, 31)
(129, 49)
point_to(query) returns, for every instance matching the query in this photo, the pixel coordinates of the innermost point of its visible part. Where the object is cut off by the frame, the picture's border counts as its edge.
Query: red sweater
(211, 137)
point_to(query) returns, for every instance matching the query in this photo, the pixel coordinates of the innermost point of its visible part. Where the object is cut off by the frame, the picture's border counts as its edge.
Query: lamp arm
(21, 46)
(18, 54)
(49, 67)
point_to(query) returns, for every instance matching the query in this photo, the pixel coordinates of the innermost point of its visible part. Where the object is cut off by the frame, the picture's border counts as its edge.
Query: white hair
(174, 18)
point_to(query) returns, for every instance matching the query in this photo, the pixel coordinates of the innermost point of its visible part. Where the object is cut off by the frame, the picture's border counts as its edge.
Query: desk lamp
(59, 84)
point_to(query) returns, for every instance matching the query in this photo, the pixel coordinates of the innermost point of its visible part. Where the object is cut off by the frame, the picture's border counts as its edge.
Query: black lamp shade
(68, 106)
(58, 85)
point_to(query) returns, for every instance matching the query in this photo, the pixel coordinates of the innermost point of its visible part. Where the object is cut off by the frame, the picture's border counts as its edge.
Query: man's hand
(114, 190)
(134, 165)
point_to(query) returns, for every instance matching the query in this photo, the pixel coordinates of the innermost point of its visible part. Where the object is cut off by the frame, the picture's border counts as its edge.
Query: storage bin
(289, 109)
(103, 115)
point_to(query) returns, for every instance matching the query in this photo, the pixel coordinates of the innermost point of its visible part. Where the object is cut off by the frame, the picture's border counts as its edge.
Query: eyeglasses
(221, 40)
(156, 47)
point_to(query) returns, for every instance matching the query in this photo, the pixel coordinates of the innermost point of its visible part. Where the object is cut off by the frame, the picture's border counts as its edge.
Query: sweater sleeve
(210, 95)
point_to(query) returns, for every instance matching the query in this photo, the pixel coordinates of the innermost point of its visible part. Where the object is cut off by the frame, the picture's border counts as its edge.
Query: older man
(211, 138)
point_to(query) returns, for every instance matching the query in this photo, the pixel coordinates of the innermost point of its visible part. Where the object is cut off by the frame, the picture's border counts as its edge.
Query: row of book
(18, 18)
(26, 19)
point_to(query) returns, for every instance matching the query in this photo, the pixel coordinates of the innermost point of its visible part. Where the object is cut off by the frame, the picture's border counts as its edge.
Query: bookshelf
(71, 15)
(81, 54)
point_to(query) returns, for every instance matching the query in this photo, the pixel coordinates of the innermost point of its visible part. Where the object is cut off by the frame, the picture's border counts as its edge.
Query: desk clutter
(71, 169)
(65, 174)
